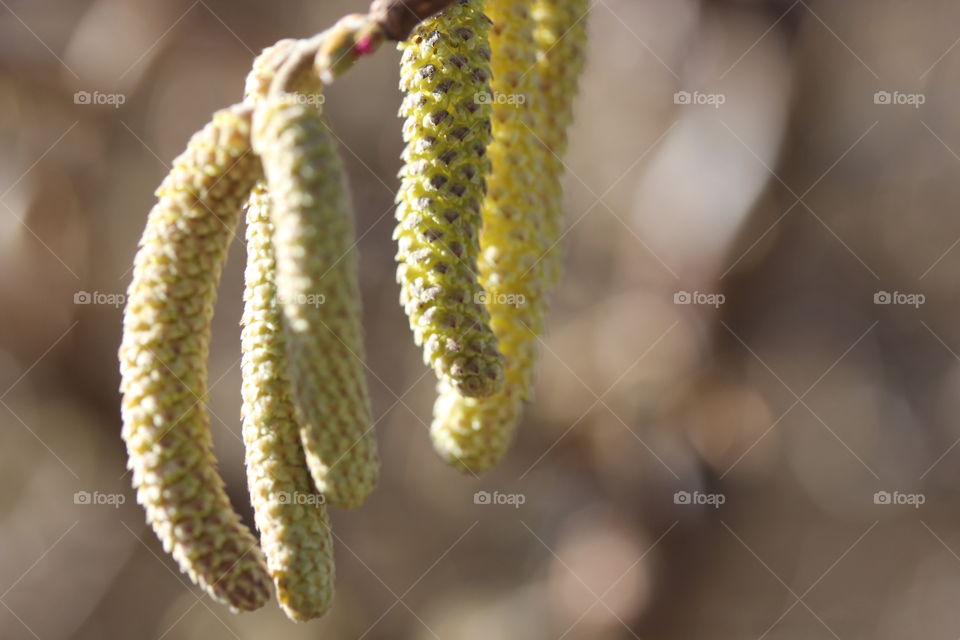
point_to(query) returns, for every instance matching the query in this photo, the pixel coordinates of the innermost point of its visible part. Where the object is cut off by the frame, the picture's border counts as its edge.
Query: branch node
(399, 17)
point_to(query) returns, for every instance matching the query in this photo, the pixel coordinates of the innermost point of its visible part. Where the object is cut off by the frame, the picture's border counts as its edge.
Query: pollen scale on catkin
(478, 215)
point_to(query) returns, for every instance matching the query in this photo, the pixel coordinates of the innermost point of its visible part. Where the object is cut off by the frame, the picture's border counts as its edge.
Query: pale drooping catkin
(318, 291)
(290, 514)
(561, 39)
(166, 337)
(444, 73)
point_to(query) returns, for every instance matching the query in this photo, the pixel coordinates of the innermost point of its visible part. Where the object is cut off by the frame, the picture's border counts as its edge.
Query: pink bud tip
(364, 46)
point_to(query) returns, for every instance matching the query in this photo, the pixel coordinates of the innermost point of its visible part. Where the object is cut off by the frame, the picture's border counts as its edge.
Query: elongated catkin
(537, 54)
(561, 39)
(166, 337)
(444, 68)
(291, 516)
(474, 433)
(317, 286)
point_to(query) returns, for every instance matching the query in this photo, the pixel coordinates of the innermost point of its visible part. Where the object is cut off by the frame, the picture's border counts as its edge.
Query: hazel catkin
(291, 516)
(560, 34)
(537, 54)
(318, 290)
(444, 70)
(474, 433)
(166, 338)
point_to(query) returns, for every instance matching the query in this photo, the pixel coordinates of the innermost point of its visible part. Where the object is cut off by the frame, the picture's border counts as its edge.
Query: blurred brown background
(759, 312)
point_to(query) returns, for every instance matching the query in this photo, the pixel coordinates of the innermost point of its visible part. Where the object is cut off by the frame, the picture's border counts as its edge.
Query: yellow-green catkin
(163, 363)
(318, 291)
(444, 72)
(474, 433)
(292, 518)
(561, 39)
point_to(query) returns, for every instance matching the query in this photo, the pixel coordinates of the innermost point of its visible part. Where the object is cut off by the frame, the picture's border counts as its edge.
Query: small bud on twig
(399, 17)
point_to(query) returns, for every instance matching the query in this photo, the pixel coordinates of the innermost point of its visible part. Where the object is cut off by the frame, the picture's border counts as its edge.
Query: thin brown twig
(399, 17)
(333, 51)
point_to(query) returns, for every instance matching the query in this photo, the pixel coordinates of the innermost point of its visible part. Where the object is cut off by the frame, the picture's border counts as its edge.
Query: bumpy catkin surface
(319, 294)
(561, 37)
(163, 363)
(474, 433)
(294, 527)
(292, 519)
(444, 68)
